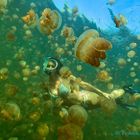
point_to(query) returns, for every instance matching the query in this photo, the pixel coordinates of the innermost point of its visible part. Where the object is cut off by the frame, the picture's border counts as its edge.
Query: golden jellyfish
(22, 63)
(28, 34)
(68, 33)
(132, 74)
(77, 115)
(131, 54)
(43, 130)
(60, 51)
(11, 90)
(4, 73)
(3, 4)
(10, 36)
(31, 18)
(26, 72)
(121, 62)
(10, 111)
(90, 48)
(49, 21)
(104, 76)
(108, 106)
(35, 101)
(35, 116)
(133, 45)
(70, 131)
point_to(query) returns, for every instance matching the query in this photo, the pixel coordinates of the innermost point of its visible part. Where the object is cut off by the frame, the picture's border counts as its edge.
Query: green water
(15, 88)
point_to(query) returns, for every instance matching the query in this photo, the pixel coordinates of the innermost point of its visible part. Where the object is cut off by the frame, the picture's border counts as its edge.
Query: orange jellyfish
(90, 48)
(68, 33)
(30, 19)
(104, 76)
(49, 21)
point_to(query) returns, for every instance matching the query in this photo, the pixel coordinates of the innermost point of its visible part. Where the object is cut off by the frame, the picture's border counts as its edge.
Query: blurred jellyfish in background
(68, 33)
(10, 111)
(4, 73)
(3, 4)
(90, 48)
(103, 76)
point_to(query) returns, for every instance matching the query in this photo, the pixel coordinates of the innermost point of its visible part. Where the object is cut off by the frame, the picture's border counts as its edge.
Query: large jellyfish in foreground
(90, 48)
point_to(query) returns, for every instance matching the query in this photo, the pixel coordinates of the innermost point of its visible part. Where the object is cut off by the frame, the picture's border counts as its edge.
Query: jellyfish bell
(10, 111)
(49, 21)
(30, 19)
(90, 48)
(131, 54)
(77, 115)
(43, 129)
(121, 62)
(71, 131)
(133, 45)
(57, 19)
(104, 76)
(3, 4)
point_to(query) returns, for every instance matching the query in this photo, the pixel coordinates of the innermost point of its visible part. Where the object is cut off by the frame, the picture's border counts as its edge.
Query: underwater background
(23, 89)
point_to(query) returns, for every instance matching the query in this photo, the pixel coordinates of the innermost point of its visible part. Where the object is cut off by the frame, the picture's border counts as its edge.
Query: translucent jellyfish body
(49, 21)
(43, 130)
(10, 111)
(3, 4)
(90, 48)
(70, 131)
(30, 19)
(4, 73)
(68, 33)
(103, 75)
(77, 115)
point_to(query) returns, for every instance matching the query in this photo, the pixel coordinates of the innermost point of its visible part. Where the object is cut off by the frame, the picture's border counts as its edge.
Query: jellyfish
(43, 130)
(10, 111)
(90, 48)
(3, 4)
(49, 21)
(70, 131)
(104, 76)
(4, 73)
(131, 54)
(108, 106)
(121, 62)
(68, 33)
(77, 115)
(30, 19)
